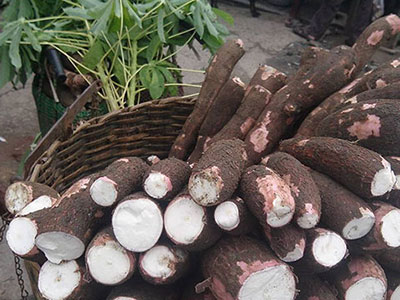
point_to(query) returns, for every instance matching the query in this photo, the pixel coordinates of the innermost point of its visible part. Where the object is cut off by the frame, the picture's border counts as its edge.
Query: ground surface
(263, 37)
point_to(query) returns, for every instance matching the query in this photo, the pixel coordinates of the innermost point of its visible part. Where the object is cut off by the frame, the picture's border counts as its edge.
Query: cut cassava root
(118, 180)
(362, 171)
(217, 74)
(137, 222)
(107, 261)
(21, 193)
(166, 178)
(304, 190)
(243, 268)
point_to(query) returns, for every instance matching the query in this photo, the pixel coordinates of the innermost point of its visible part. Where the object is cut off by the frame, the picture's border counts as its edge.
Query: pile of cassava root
(282, 188)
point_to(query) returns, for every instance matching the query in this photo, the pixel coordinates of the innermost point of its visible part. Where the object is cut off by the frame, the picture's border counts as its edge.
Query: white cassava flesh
(226, 215)
(280, 214)
(137, 224)
(205, 186)
(383, 181)
(184, 220)
(39, 203)
(109, 263)
(21, 235)
(391, 228)
(368, 288)
(157, 185)
(103, 191)
(396, 294)
(294, 255)
(59, 246)
(359, 227)
(158, 262)
(17, 197)
(272, 283)
(57, 282)
(329, 249)
(308, 220)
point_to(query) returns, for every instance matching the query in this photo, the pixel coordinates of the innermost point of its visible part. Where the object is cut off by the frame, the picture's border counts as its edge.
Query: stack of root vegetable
(247, 211)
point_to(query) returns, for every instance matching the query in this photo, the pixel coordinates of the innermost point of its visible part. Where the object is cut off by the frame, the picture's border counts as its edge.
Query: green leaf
(212, 42)
(32, 38)
(153, 47)
(14, 49)
(103, 15)
(5, 66)
(160, 25)
(167, 74)
(198, 22)
(118, 71)
(145, 76)
(77, 12)
(25, 9)
(157, 84)
(8, 32)
(211, 28)
(11, 12)
(224, 16)
(222, 29)
(93, 56)
(117, 9)
(133, 12)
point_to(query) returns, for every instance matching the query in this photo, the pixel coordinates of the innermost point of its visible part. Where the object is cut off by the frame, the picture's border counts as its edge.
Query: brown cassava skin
(393, 197)
(269, 78)
(247, 221)
(339, 205)
(355, 269)
(286, 239)
(309, 58)
(373, 37)
(217, 74)
(259, 187)
(190, 294)
(374, 242)
(103, 237)
(139, 290)
(254, 101)
(220, 112)
(382, 76)
(222, 163)
(231, 261)
(313, 288)
(302, 185)
(349, 164)
(126, 174)
(309, 264)
(393, 280)
(31, 191)
(371, 124)
(207, 237)
(176, 170)
(389, 258)
(324, 78)
(180, 263)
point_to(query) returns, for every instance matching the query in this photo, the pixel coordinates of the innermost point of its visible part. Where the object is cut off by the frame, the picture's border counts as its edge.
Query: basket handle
(62, 127)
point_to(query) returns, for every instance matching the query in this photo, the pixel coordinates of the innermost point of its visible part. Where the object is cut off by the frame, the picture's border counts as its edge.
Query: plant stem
(132, 86)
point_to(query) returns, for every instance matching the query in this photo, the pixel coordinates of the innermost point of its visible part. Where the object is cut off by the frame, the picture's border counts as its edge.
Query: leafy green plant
(129, 45)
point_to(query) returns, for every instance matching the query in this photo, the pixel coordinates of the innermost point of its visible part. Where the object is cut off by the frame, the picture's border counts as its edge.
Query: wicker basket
(143, 130)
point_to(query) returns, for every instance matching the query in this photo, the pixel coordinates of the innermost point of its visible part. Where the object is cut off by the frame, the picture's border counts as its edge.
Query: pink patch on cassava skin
(395, 63)
(306, 81)
(240, 43)
(125, 160)
(314, 298)
(293, 187)
(255, 266)
(269, 71)
(311, 86)
(380, 83)
(340, 121)
(74, 189)
(394, 22)
(168, 183)
(375, 37)
(349, 73)
(246, 126)
(368, 106)
(365, 129)
(259, 137)
(219, 289)
(347, 111)
(205, 147)
(316, 111)
(349, 87)
(302, 143)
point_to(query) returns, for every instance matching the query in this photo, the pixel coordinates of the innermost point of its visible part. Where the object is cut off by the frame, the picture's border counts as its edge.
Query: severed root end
(226, 215)
(329, 249)
(383, 181)
(184, 220)
(270, 283)
(59, 246)
(152, 159)
(110, 263)
(21, 235)
(390, 228)
(103, 191)
(157, 185)
(366, 288)
(308, 220)
(58, 281)
(396, 294)
(359, 227)
(205, 186)
(281, 213)
(137, 224)
(17, 196)
(296, 254)
(39, 203)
